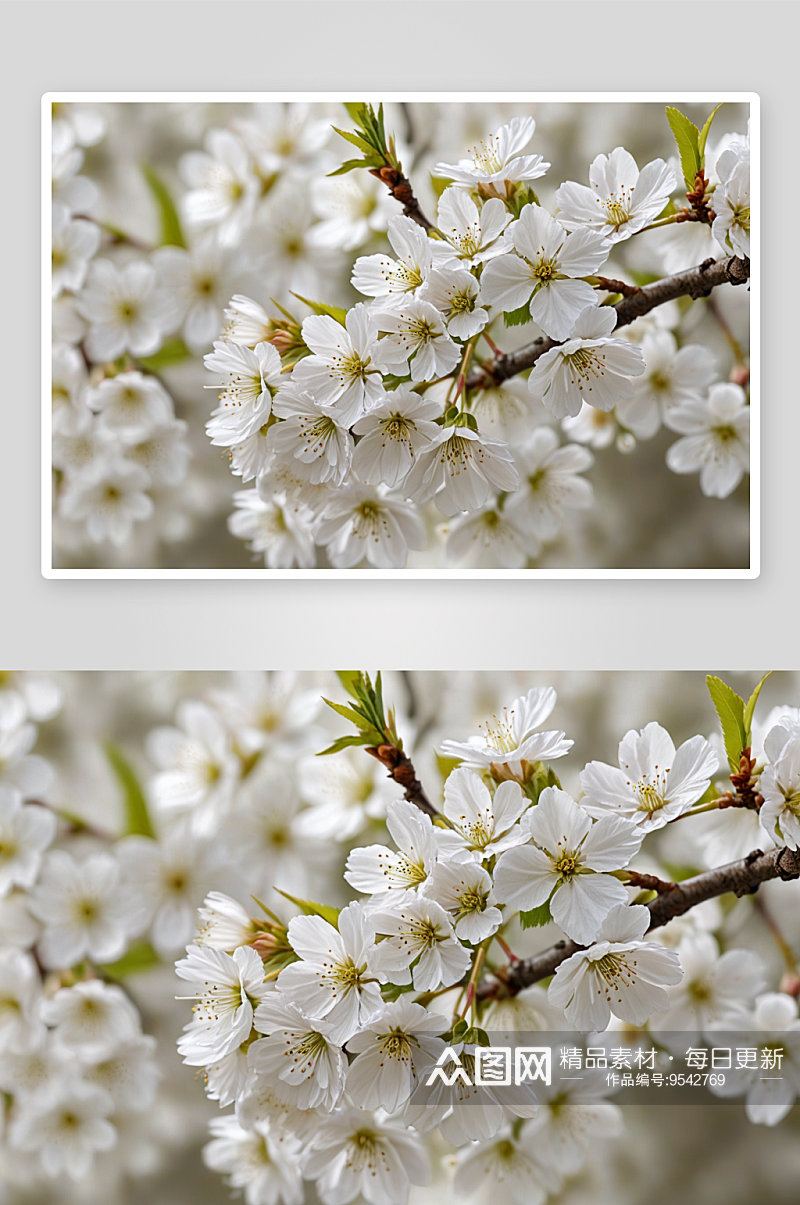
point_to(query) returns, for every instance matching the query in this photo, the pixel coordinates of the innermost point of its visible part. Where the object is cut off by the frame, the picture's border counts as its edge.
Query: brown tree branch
(694, 283)
(741, 878)
(401, 769)
(400, 188)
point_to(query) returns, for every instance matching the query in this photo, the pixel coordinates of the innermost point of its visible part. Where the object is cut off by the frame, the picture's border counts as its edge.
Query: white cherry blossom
(299, 1057)
(489, 539)
(361, 523)
(26, 830)
(263, 1163)
(589, 367)
(196, 284)
(110, 498)
(464, 889)
(566, 846)
(228, 990)
(655, 782)
(619, 975)
(130, 404)
(551, 484)
(512, 738)
(455, 293)
(780, 786)
(334, 977)
(417, 932)
(250, 382)
(716, 439)
(223, 187)
(544, 271)
(66, 1127)
(484, 823)
(621, 200)
(277, 528)
(389, 279)
(198, 769)
(383, 872)
(459, 469)
(416, 341)
(124, 308)
(475, 235)
(75, 241)
(91, 1018)
(715, 991)
(672, 377)
(356, 1153)
(84, 911)
(391, 436)
(731, 227)
(340, 372)
(313, 438)
(499, 159)
(391, 1052)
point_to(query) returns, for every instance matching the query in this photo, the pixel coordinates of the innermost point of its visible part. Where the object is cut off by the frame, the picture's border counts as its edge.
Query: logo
(495, 1067)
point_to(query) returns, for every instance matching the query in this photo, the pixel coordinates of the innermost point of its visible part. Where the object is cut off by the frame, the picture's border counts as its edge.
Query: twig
(741, 878)
(401, 769)
(694, 283)
(400, 188)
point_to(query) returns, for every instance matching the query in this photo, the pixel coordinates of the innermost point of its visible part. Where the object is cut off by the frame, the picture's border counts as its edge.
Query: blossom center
(650, 798)
(791, 800)
(545, 270)
(471, 900)
(566, 865)
(499, 734)
(616, 971)
(396, 1045)
(422, 330)
(616, 212)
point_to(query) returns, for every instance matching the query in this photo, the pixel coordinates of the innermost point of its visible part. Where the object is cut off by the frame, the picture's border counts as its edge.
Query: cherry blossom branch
(694, 282)
(740, 878)
(401, 770)
(400, 188)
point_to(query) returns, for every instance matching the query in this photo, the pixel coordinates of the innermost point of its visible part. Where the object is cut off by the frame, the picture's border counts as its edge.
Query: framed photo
(421, 335)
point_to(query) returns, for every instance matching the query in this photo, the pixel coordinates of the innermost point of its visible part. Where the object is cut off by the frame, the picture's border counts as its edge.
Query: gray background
(416, 46)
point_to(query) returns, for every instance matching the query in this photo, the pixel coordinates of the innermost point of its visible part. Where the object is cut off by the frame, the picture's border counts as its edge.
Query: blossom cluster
(119, 452)
(318, 1024)
(375, 433)
(144, 813)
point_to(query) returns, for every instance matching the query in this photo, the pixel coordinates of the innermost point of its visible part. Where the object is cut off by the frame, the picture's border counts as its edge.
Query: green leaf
(518, 317)
(356, 140)
(439, 184)
(174, 351)
(328, 311)
(349, 679)
(534, 918)
(475, 1036)
(357, 110)
(139, 957)
(687, 139)
(171, 232)
(276, 962)
(749, 710)
(309, 908)
(350, 165)
(348, 742)
(137, 817)
(730, 708)
(348, 713)
(447, 765)
(701, 142)
(459, 1029)
(393, 991)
